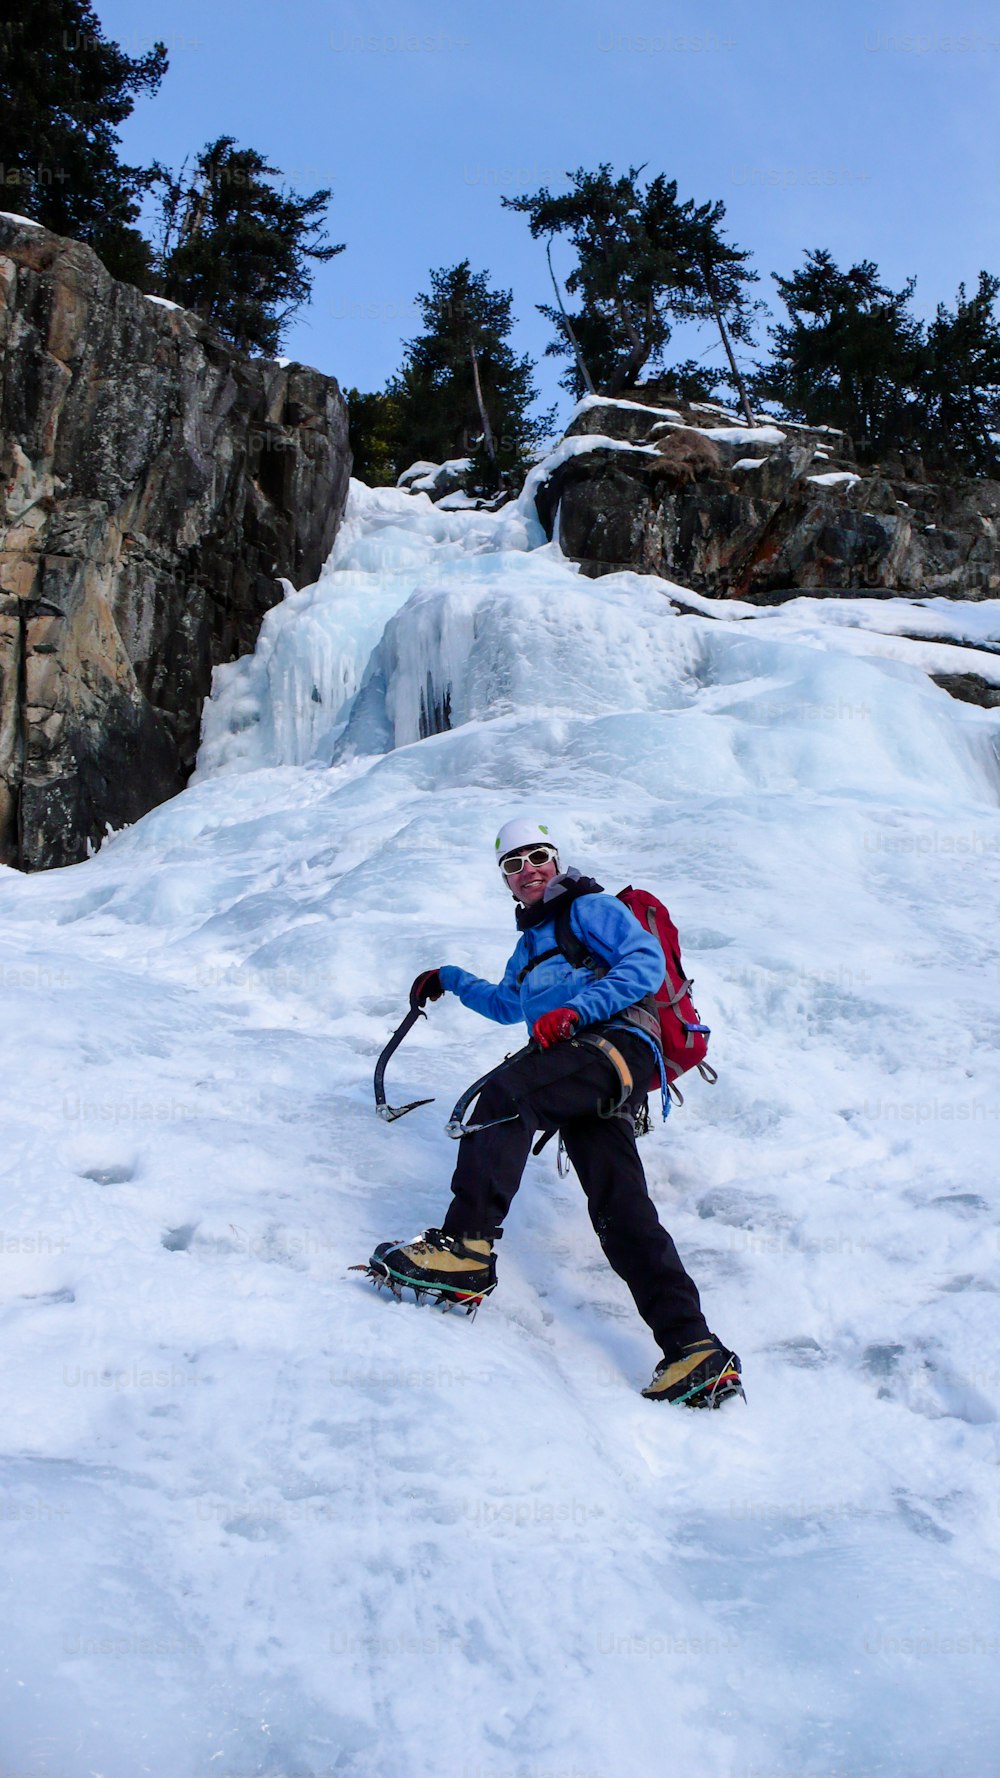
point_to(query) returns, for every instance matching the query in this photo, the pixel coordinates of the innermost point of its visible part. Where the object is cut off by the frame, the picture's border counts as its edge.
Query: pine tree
(691, 380)
(851, 355)
(234, 247)
(960, 393)
(716, 291)
(463, 391)
(64, 89)
(620, 279)
(374, 435)
(643, 259)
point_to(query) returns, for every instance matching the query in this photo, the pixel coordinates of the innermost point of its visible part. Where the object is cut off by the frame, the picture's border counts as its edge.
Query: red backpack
(683, 1037)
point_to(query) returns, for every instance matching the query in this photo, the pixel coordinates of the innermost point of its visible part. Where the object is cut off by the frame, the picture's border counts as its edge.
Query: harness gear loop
(643, 1121)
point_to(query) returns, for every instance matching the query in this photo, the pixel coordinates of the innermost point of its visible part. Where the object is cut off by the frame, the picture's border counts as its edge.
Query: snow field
(261, 1521)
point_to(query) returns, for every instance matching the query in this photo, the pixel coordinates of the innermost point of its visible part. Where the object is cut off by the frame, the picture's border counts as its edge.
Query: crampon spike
(728, 1384)
(444, 1300)
(380, 1280)
(449, 1300)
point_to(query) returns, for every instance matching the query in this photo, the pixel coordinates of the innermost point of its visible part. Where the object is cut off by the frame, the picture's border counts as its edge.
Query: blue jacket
(609, 929)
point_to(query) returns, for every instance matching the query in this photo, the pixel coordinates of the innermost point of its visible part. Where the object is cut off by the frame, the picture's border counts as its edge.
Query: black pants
(561, 1089)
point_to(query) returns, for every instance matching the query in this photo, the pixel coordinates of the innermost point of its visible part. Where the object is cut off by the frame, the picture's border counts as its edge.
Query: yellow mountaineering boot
(455, 1269)
(704, 1376)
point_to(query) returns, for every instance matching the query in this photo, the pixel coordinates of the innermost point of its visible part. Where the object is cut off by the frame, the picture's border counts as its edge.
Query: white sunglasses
(516, 861)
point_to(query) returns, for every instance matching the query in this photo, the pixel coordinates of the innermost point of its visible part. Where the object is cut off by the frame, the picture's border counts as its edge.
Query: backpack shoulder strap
(576, 952)
(533, 962)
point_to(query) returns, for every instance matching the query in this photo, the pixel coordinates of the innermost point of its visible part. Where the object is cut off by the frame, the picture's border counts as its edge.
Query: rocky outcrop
(447, 485)
(787, 512)
(971, 688)
(154, 486)
(436, 479)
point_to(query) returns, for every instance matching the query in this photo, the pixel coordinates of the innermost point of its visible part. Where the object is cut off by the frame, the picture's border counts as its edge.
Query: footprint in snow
(921, 1521)
(803, 1351)
(254, 1528)
(179, 1240)
(742, 1210)
(882, 1361)
(960, 1203)
(927, 1387)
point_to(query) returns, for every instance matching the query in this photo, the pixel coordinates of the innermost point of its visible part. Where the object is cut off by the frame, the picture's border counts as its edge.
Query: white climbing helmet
(519, 833)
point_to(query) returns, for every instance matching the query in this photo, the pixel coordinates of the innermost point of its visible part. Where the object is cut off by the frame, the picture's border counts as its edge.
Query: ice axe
(388, 1112)
(455, 1125)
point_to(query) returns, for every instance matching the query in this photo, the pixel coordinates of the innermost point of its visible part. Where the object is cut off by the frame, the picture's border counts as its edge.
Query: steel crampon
(728, 1383)
(442, 1299)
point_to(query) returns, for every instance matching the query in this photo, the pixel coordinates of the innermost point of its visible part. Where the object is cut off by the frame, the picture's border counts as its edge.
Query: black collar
(562, 890)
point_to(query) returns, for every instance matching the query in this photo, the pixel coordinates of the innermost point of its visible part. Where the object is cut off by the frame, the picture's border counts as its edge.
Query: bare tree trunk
(195, 209)
(491, 450)
(626, 371)
(748, 413)
(169, 219)
(580, 360)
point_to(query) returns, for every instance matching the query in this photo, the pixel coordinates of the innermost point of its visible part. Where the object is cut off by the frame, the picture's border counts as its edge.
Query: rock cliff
(787, 511)
(153, 486)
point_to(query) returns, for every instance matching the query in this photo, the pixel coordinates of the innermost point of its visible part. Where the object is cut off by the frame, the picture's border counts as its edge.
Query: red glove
(428, 986)
(555, 1027)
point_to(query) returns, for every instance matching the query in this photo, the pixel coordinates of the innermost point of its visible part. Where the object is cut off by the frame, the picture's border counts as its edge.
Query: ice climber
(593, 1036)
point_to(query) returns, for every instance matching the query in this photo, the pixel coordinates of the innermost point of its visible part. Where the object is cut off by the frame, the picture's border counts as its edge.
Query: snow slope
(262, 1523)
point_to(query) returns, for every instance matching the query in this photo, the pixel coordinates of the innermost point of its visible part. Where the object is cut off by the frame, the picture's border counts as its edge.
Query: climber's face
(530, 882)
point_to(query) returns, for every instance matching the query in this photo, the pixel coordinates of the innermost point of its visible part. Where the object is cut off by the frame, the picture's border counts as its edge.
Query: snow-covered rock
(436, 479)
(834, 478)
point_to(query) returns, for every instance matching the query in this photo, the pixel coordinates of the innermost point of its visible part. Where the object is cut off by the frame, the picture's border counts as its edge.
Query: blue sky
(871, 127)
